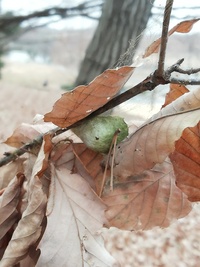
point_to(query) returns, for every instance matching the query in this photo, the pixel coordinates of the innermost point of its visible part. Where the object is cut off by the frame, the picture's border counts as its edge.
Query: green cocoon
(97, 133)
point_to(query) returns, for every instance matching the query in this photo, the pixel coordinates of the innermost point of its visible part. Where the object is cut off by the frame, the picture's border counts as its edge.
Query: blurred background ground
(31, 82)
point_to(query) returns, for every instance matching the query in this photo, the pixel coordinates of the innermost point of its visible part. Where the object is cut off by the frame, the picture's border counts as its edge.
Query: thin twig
(188, 71)
(164, 38)
(179, 8)
(176, 68)
(173, 67)
(185, 81)
(11, 156)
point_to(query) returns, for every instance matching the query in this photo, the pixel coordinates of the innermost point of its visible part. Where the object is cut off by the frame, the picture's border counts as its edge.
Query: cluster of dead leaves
(51, 213)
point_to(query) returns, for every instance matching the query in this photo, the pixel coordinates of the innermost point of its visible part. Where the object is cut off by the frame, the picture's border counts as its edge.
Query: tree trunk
(121, 21)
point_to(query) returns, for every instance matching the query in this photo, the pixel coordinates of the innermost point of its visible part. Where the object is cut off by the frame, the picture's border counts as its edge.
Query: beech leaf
(8, 204)
(42, 161)
(153, 142)
(89, 162)
(185, 160)
(182, 27)
(176, 90)
(9, 171)
(146, 200)
(83, 100)
(21, 135)
(28, 229)
(71, 237)
(27, 132)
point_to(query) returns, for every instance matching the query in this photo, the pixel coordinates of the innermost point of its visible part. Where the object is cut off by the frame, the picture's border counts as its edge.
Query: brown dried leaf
(9, 171)
(185, 160)
(27, 132)
(143, 201)
(21, 135)
(182, 27)
(88, 162)
(146, 200)
(153, 142)
(78, 104)
(82, 160)
(176, 90)
(42, 161)
(8, 204)
(76, 216)
(28, 229)
(30, 261)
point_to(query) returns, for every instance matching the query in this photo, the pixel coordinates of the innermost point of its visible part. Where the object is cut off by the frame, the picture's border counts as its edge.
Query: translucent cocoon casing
(97, 133)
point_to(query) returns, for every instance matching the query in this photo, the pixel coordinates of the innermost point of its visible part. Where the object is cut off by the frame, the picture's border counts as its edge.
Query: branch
(179, 8)
(164, 37)
(80, 10)
(11, 156)
(185, 81)
(139, 88)
(148, 84)
(88, 16)
(176, 68)
(188, 71)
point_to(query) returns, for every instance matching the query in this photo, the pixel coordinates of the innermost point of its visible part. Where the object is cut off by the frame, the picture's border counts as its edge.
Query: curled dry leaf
(89, 162)
(153, 142)
(146, 200)
(77, 214)
(185, 160)
(8, 204)
(9, 171)
(182, 27)
(187, 102)
(27, 132)
(28, 229)
(30, 261)
(41, 163)
(186, 156)
(83, 100)
(21, 135)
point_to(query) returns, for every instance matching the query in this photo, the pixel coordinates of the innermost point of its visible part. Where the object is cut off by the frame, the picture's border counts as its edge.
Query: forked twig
(176, 68)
